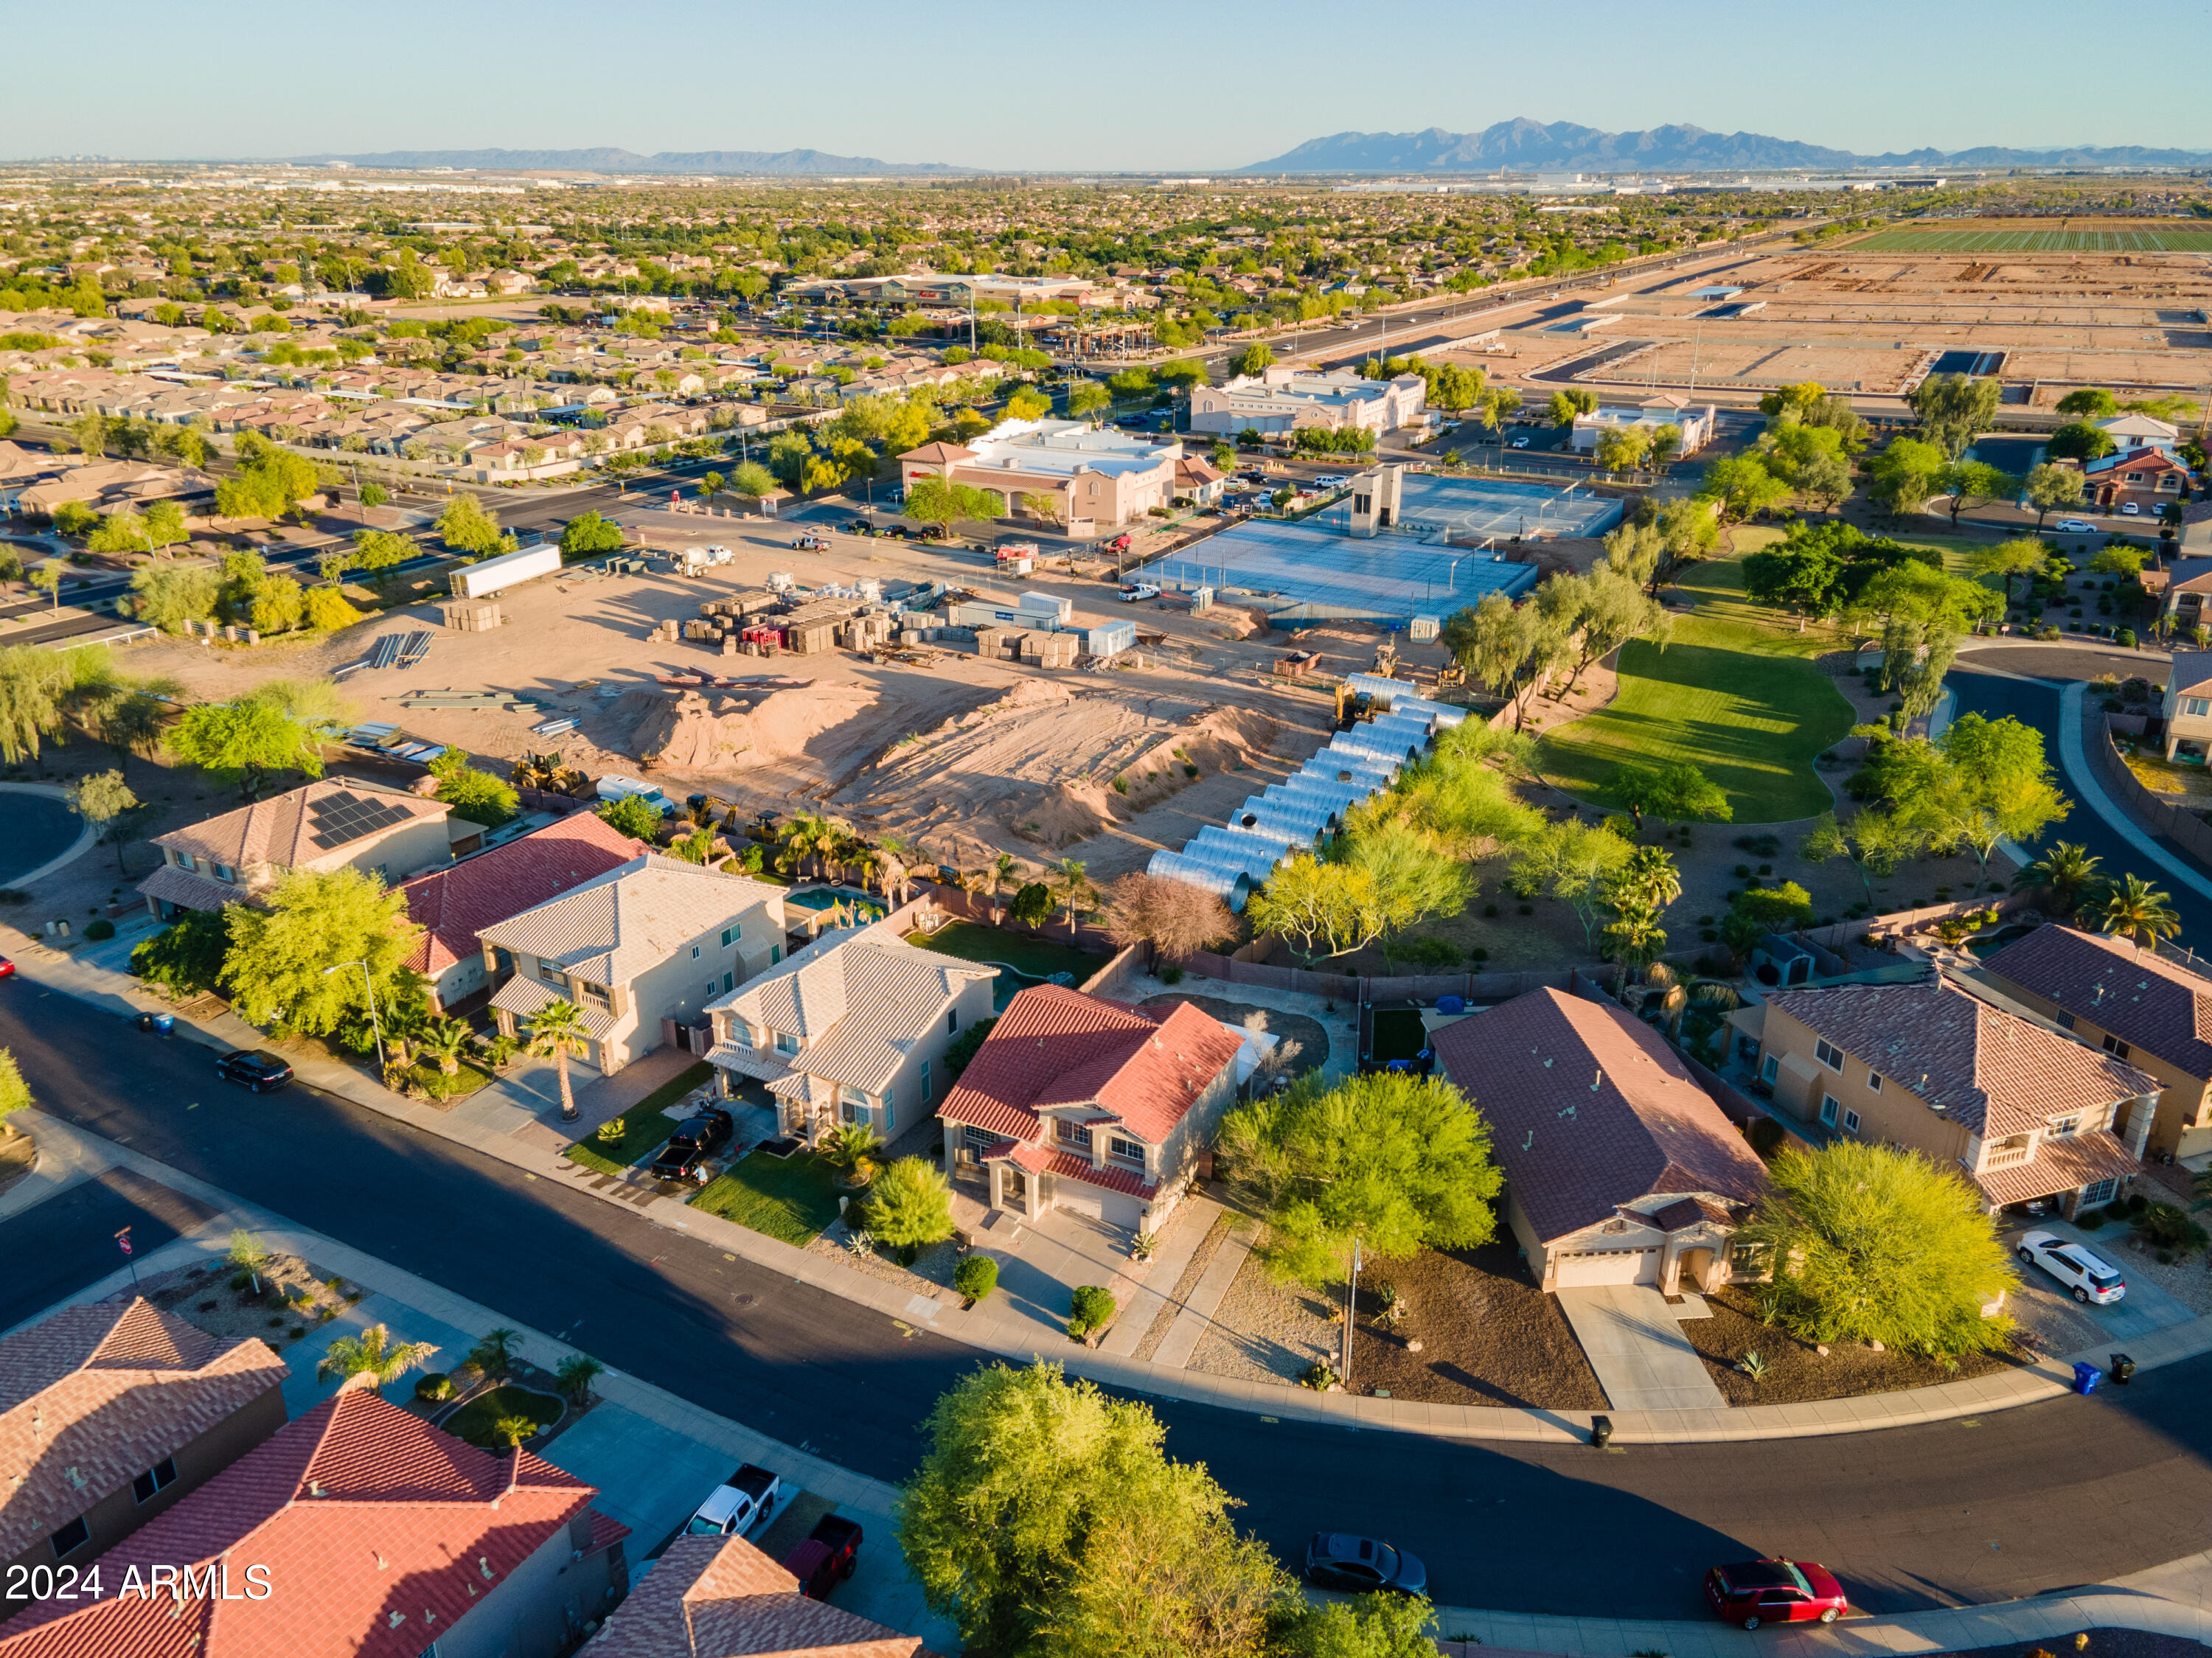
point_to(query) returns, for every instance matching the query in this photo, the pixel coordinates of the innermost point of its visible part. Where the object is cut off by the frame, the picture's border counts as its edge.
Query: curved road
(2068, 1493)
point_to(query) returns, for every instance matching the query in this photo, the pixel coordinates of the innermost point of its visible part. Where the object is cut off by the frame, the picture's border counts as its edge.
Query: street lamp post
(1351, 1317)
(368, 988)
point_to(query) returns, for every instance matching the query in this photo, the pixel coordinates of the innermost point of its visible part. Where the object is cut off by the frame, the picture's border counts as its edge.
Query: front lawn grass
(791, 1198)
(644, 1125)
(1734, 694)
(1034, 958)
(473, 1421)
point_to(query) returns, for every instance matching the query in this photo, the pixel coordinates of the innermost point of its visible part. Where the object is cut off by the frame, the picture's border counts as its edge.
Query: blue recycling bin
(2086, 1378)
(1449, 1005)
(164, 1023)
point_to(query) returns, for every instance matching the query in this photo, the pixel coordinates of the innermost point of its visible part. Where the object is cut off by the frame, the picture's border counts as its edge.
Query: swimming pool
(851, 897)
(40, 829)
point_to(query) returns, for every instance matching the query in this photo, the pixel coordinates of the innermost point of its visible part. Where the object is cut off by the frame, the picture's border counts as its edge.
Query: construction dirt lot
(1875, 322)
(966, 758)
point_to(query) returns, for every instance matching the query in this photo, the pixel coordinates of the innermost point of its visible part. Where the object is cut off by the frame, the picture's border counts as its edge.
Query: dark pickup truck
(827, 1558)
(695, 1141)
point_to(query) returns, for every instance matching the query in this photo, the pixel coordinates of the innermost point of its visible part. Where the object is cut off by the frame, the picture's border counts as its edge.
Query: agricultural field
(2154, 239)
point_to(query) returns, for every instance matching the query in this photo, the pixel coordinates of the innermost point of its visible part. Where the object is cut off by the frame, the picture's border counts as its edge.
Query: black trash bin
(1601, 1431)
(2122, 1369)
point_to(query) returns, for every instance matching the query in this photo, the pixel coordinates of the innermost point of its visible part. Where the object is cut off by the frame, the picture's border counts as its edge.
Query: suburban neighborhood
(1173, 887)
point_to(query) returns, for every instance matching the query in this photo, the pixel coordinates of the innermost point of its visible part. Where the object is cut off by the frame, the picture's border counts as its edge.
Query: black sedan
(695, 1140)
(1337, 1560)
(255, 1069)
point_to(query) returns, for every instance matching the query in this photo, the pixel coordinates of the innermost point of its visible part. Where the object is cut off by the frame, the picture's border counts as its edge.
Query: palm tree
(851, 1147)
(445, 1040)
(494, 1353)
(2067, 872)
(2139, 912)
(1071, 882)
(556, 1030)
(373, 1353)
(1002, 873)
(890, 858)
(512, 1430)
(250, 1255)
(577, 1372)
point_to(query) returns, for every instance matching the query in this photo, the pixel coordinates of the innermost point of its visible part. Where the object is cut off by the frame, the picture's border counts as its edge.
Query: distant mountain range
(748, 163)
(1526, 146)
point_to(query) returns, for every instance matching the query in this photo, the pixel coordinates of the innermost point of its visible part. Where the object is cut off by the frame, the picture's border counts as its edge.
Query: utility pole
(1350, 1318)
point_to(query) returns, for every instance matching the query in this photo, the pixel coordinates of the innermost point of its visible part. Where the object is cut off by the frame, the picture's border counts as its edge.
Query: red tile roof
(1590, 1110)
(93, 1396)
(2061, 1165)
(1055, 1047)
(2160, 1006)
(1043, 1160)
(454, 904)
(378, 1533)
(720, 1597)
(1992, 1070)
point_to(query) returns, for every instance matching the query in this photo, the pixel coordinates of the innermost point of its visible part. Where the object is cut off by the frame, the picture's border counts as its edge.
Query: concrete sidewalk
(1022, 1333)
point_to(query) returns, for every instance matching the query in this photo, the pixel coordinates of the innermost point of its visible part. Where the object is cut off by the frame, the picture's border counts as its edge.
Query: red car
(7, 968)
(1758, 1592)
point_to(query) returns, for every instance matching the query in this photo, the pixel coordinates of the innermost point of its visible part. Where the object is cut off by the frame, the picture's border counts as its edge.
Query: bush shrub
(1092, 1309)
(1170, 974)
(976, 1277)
(2126, 637)
(433, 1386)
(2168, 1226)
(102, 928)
(1766, 1136)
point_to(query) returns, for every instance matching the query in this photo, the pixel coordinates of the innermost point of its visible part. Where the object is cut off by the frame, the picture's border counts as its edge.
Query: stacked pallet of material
(990, 642)
(1049, 650)
(471, 616)
(809, 638)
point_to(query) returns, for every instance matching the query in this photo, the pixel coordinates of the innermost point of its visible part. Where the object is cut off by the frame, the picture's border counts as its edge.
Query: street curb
(1004, 1334)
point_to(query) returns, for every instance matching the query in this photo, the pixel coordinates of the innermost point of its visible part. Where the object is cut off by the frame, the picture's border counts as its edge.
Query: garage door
(1077, 1199)
(1607, 1266)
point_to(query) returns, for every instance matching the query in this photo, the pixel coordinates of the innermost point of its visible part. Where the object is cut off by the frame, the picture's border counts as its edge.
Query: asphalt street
(2064, 1493)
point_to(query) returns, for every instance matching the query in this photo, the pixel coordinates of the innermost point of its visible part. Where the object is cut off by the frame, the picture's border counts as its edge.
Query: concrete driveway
(1634, 1341)
(2067, 1326)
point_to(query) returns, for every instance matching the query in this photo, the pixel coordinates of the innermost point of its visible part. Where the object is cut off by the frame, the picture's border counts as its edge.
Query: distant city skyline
(1152, 86)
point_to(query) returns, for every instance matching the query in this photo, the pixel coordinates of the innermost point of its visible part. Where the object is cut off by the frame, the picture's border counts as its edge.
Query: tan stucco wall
(1895, 1114)
(2181, 1125)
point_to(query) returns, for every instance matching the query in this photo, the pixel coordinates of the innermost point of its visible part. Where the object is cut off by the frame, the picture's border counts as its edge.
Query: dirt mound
(709, 731)
(1048, 765)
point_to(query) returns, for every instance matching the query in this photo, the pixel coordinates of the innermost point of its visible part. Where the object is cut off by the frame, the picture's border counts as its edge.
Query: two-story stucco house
(1955, 1071)
(330, 824)
(2137, 1005)
(1619, 1167)
(654, 938)
(2188, 706)
(1092, 1106)
(852, 1029)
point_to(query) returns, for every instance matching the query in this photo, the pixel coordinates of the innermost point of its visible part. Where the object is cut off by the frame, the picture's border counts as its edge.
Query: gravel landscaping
(1797, 1372)
(2188, 1280)
(296, 1298)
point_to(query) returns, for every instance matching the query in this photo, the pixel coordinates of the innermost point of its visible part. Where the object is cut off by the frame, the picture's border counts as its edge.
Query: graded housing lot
(963, 756)
(2123, 306)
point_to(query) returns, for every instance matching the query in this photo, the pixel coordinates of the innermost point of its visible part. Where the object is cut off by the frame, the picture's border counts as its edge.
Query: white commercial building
(1283, 400)
(1652, 414)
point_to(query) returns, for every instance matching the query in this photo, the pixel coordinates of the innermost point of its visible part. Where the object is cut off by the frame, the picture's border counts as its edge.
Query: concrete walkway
(1633, 1340)
(2074, 756)
(1000, 1327)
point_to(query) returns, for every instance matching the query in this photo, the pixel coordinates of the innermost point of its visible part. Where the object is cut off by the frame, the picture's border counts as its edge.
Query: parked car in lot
(696, 1139)
(2130, 509)
(2075, 527)
(1337, 1560)
(1137, 591)
(737, 1505)
(2094, 1280)
(1755, 1592)
(827, 1558)
(811, 543)
(255, 1069)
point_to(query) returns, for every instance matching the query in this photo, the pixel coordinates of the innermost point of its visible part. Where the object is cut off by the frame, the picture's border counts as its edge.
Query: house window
(185, 860)
(695, 952)
(1073, 1133)
(925, 1082)
(785, 1044)
(159, 1478)
(70, 1538)
(593, 995)
(2064, 1021)
(1830, 1055)
(1873, 1081)
(952, 1020)
(853, 1107)
(224, 872)
(1851, 1122)
(2103, 1191)
(549, 974)
(1767, 1068)
(2116, 1047)
(729, 982)
(2065, 1128)
(774, 954)
(731, 935)
(1828, 1109)
(1127, 1150)
(977, 1141)
(2197, 706)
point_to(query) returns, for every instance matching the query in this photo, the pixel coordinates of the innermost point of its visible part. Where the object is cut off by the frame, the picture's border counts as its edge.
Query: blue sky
(1135, 84)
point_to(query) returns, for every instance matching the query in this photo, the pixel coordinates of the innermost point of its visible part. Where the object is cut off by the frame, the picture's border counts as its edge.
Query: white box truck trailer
(491, 575)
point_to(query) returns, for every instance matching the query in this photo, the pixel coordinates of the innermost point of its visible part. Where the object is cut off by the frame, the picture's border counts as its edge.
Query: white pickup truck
(737, 1505)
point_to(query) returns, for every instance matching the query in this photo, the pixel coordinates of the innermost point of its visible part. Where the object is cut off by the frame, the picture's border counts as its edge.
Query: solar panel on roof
(340, 819)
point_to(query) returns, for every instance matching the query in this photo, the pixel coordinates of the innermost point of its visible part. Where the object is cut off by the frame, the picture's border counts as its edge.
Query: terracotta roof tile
(2061, 1165)
(454, 904)
(93, 1396)
(1590, 1110)
(1043, 1160)
(277, 830)
(720, 1597)
(379, 1533)
(2151, 1003)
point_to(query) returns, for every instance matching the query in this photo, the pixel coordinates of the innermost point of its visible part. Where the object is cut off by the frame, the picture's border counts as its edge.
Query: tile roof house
(2139, 1005)
(649, 942)
(1077, 1102)
(851, 1029)
(720, 1597)
(454, 904)
(1619, 1167)
(1949, 1068)
(2187, 702)
(329, 824)
(109, 1414)
(359, 1530)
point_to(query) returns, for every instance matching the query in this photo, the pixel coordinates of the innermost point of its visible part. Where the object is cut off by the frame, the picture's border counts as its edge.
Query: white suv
(2091, 1277)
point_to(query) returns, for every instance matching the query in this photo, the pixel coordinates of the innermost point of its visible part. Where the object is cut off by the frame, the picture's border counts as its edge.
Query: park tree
(1879, 1243)
(1598, 614)
(379, 552)
(325, 610)
(1393, 1162)
(2022, 556)
(1875, 841)
(1974, 482)
(2079, 440)
(467, 525)
(33, 681)
(2088, 403)
(280, 725)
(1028, 404)
(1676, 791)
(1256, 358)
(2053, 488)
(105, 801)
(1623, 448)
(297, 963)
(1998, 768)
(1741, 486)
(587, 535)
(268, 483)
(1330, 908)
(1510, 648)
(1573, 862)
(750, 478)
(1173, 917)
(1954, 410)
(1905, 475)
(944, 503)
(1087, 398)
(1571, 402)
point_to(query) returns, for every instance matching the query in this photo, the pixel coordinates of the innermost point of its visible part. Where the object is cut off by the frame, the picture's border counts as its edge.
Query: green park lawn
(1735, 693)
(791, 1198)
